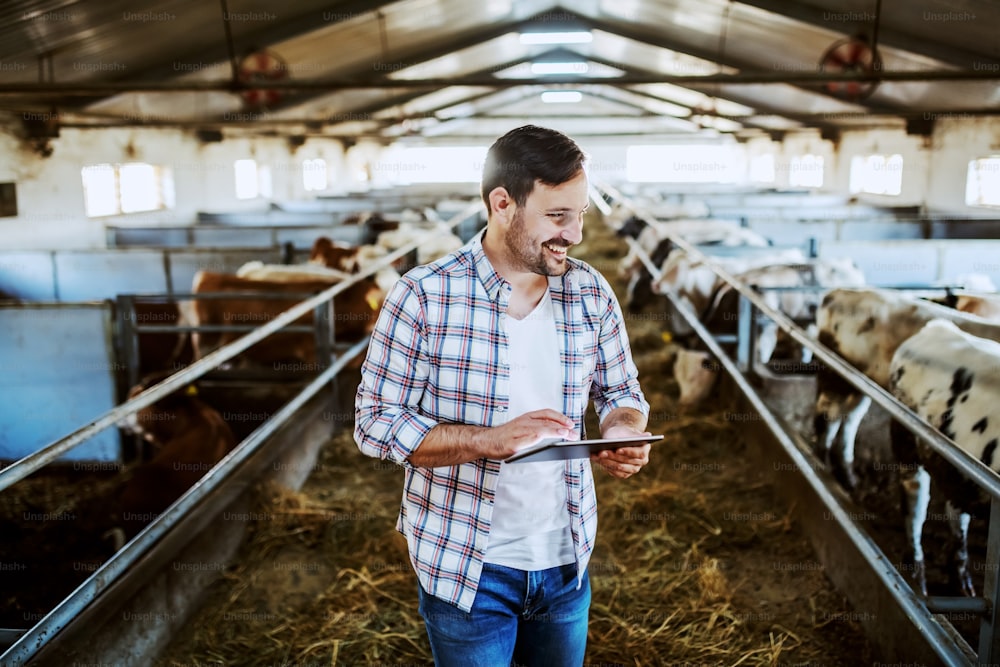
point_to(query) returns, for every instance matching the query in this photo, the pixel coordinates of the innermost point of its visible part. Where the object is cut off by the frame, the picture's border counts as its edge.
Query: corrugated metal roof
(402, 68)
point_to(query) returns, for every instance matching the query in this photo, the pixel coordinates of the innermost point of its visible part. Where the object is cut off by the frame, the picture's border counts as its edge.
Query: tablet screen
(557, 449)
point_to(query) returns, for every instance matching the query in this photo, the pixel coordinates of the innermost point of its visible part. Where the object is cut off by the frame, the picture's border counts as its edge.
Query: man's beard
(529, 255)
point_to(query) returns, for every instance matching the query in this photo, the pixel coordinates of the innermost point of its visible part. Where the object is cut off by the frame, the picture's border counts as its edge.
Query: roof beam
(488, 80)
(817, 16)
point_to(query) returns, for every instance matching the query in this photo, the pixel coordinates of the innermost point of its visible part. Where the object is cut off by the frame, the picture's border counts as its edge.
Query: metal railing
(985, 478)
(46, 630)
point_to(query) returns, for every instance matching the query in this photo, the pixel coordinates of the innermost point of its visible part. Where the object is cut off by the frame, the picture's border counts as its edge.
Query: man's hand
(526, 430)
(624, 461)
(453, 444)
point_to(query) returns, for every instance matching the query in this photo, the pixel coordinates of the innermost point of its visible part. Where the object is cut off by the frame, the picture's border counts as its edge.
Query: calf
(187, 438)
(952, 380)
(865, 327)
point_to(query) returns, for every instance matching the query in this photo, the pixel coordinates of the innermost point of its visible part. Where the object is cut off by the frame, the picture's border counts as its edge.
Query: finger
(548, 414)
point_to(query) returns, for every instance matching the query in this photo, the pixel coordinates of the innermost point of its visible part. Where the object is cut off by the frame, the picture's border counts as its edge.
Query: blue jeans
(518, 618)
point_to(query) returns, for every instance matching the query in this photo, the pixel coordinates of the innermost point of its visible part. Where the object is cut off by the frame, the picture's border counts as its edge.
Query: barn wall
(956, 142)
(50, 190)
(917, 164)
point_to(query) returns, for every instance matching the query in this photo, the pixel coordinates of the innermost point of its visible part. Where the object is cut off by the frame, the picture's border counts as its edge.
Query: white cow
(952, 380)
(695, 377)
(865, 327)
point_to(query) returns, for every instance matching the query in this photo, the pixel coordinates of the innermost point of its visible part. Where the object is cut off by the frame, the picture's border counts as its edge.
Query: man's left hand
(624, 461)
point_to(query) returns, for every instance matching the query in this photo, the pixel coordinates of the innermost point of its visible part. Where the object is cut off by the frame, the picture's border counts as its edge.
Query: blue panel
(960, 258)
(788, 232)
(304, 238)
(871, 230)
(888, 263)
(57, 375)
(85, 276)
(27, 275)
(174, 237)
(235, 237)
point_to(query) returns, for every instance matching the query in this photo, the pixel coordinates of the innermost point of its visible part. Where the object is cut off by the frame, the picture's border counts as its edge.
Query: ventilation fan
(262, 66)
(852, 56)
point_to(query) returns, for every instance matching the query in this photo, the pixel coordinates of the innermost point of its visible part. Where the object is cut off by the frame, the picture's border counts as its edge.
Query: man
(476, 356)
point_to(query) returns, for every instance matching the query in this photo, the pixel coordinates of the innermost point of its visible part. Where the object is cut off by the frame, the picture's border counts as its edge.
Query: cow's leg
(958, 521)
(640, 290)
(836, 424)
(915, 496)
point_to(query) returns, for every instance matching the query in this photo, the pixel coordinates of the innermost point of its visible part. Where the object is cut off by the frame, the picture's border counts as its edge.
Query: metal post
(745, 344)
(989, 637)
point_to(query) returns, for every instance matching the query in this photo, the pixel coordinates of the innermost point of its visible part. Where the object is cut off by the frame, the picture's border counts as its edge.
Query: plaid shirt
(438, 354)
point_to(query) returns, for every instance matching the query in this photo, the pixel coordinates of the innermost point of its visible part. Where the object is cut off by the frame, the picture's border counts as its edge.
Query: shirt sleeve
(388, 421)
(616, 378)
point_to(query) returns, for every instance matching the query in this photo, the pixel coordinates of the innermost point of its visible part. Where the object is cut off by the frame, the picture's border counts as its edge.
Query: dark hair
(526, 154)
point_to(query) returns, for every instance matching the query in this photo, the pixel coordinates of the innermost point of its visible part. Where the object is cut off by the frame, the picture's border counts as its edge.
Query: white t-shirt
(530, 526)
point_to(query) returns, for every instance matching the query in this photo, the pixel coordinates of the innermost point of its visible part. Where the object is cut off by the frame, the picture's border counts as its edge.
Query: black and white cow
(952, 380)
(865, 327)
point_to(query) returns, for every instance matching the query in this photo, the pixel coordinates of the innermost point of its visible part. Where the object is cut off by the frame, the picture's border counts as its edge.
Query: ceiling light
(568, 37)
(561, 96)
(560, 68)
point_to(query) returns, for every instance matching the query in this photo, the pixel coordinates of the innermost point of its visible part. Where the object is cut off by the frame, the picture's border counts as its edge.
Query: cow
(186, 437)
(158, 351)
(986, 306)
(952, 380)
(695, 284)
(865, 327)
(654, 239)
(291, 273)
(333, 255)
(698, 372)
(436, 240)
(355, 311)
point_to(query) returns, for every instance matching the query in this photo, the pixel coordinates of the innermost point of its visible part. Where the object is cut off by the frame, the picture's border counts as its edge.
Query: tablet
(557, 449)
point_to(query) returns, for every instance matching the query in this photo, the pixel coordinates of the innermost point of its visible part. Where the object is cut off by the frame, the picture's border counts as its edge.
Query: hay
(674, 581)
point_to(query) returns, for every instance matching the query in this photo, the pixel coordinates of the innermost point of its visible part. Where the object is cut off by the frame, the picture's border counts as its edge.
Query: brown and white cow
(986, 306)
(865, 327)
(951, 379)
(187, 437)
(355, 312)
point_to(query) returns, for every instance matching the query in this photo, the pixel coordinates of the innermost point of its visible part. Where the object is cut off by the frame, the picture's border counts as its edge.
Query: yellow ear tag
(372, 302)
(191, 390)
(666, 336)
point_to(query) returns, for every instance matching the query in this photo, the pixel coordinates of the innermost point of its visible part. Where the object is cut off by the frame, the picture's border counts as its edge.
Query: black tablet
(557, 449)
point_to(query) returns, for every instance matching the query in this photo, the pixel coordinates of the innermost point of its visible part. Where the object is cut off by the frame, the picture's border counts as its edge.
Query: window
(806, 171)
(982, 184)
(877, 174)
(8, 200)
(134, 187)
(314, 175)
(762, 168)
(252, 180)
(684, 164)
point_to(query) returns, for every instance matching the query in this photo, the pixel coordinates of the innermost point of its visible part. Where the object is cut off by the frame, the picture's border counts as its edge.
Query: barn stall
(868, 134)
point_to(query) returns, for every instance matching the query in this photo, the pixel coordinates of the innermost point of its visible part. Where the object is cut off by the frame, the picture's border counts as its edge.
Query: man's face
(550, 222)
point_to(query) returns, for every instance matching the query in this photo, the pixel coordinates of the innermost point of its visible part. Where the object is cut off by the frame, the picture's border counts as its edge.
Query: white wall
(917, 164)
(50, 190)
(957, 141)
